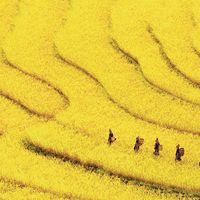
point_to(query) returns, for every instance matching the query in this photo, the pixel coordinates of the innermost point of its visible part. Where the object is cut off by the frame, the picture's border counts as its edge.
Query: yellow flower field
(73, 69)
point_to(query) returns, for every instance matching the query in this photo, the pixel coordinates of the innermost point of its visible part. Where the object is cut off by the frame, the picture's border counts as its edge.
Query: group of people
(157, 146)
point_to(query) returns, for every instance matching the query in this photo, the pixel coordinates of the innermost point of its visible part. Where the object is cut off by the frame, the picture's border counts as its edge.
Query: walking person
(157, 147)
(111, 137)
(139, 141)
(179, 153)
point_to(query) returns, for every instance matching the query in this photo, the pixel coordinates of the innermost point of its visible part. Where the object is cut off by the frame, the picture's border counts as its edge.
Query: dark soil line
(125, 109)
(196, 51)
(154, 122)
(36, 148)
(35, 77)
(22, 185)
(193, 20)
(130, 59)
(170, 64)
(70, 63)
(24, 107)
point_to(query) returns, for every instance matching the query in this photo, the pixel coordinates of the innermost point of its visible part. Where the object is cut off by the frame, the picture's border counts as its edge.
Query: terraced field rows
(70, 70)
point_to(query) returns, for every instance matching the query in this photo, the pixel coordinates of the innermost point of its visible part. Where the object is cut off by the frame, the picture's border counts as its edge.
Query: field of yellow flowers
(72, 69)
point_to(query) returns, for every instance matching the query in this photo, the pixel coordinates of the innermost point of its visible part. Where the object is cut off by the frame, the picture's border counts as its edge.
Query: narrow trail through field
(89, 166)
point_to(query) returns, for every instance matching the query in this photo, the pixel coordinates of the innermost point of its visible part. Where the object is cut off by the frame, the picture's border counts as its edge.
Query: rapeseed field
(73, 69)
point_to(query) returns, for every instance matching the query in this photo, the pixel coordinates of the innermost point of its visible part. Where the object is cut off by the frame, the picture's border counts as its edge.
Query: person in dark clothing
(111, 137)
(178, 153)
(156, 147)
(137, 144)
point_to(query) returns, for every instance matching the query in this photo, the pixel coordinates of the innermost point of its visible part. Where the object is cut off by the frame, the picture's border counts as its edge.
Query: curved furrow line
(168, 61)
(193, 20)
(196, 51)
(89, 166)
(132, 60)
(24, 107)
(35, 77)
(70, 63)
(194, 23)
(22, 185)
(124, 108)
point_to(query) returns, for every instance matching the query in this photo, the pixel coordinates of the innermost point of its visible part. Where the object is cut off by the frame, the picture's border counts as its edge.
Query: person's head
(178, 146)
(156, 139)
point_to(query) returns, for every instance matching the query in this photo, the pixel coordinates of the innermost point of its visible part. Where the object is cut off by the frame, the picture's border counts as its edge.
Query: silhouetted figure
(157, 147)
(179, 152)
(111, 137)
(139, 141)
